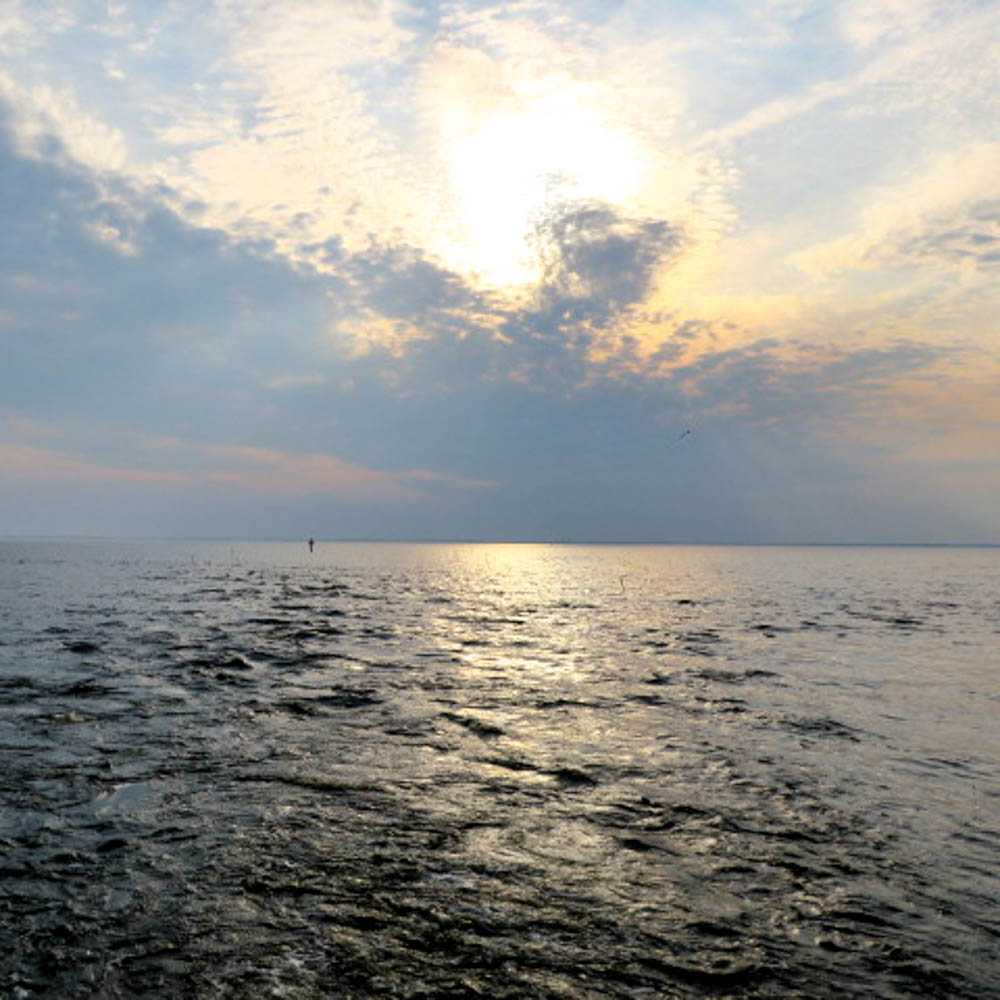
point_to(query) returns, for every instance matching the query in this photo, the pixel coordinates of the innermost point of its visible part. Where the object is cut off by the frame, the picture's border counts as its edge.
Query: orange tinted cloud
(26, 462)
(259, 470)
(270, 471)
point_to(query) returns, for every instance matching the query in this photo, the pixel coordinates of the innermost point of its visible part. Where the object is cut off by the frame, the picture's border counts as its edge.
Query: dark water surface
(498, 771)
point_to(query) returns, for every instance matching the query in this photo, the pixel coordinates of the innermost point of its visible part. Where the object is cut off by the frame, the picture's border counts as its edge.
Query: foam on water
(505, 771)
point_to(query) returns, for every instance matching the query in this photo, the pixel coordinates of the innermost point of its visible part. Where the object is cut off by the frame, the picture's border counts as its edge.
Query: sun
(509, 165)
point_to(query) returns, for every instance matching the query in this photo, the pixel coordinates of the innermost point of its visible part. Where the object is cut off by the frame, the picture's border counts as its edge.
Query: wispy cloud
(943, 213)
(43, 465)
(265, 471)
(270, 471)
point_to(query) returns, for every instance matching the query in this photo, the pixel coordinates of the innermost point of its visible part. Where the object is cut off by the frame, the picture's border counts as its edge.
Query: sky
(610, 270)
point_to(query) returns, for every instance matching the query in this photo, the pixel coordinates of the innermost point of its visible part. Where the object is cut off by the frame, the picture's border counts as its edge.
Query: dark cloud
(597, 262)
(767, 382)
(598, 265)
(400, 282)
(117, 309)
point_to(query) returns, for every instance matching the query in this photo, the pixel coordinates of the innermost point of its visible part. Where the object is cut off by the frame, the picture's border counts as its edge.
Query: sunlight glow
(511, 165)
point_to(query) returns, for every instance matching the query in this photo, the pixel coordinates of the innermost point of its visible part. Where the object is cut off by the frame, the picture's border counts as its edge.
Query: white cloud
(110, 235)
(42, 111)
(949, 70)
(866, 22)
(113, 70)
(935, 198)
(14, 25)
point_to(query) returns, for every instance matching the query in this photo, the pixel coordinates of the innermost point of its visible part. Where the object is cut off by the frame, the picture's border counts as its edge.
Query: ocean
(467, 770)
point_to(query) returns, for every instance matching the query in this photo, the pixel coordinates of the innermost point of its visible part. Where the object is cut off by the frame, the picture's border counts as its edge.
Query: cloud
(943, 212)
(938, 57)
(401, 282)
(267, 470)
(968, 239)
(597, 261)
(823, 386)
(432, 327)
(43, 119)
(253, 469)
(242, 289)
(302, 123)
(867, 22)
(25, 462)
(301, 155)
(121, 309)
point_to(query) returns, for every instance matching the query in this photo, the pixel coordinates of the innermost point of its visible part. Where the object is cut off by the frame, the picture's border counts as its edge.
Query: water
(498, 771)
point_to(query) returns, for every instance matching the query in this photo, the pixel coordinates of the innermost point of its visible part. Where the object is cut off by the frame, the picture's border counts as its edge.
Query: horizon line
(289, 540)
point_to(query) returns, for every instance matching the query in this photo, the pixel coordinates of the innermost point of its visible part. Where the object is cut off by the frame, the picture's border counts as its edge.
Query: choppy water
(498, 771)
